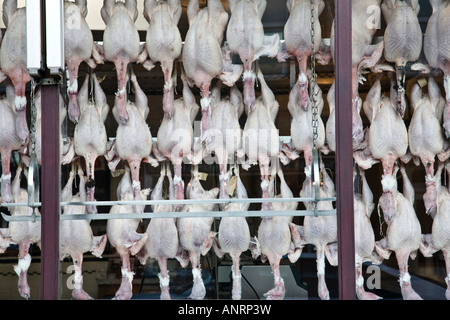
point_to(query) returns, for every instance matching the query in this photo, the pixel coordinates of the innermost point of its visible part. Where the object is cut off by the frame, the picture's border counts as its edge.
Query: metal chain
(33, 118)
(313, 79)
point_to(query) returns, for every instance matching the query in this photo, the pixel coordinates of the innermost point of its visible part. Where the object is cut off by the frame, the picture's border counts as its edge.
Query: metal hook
(379, 220)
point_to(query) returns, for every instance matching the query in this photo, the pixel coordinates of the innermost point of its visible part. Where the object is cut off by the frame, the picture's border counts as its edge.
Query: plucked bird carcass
(402, 40)
(437, 50)
(133, 142)
(79, 47)
(426, 139)
(227, 132)
(260, 139)
(66, 149)
(122, 234)
(364, 235)
(299, 41)
(90, 140)
(403, 234)
(330, 126)
(439, 239)
(203, 56)
(175, 137)
(75, 236)
(321, 230)
(245, 36)
(13, 62)
(195, 235)
(121, 44)
(365, 55)
(302, 131)
(162, 234)
(24, 233)
(233, 235)
(278, 236)
(388, 142)
(163, 42)
(9, 141)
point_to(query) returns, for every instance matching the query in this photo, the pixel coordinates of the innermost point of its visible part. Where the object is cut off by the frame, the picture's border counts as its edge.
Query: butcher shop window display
(241, 113)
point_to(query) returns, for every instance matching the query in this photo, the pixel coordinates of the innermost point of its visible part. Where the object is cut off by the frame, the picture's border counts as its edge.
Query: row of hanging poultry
(205, 58)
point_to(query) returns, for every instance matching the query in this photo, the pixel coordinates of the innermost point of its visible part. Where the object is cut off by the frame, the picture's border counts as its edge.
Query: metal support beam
(50, 209)
(344, 150)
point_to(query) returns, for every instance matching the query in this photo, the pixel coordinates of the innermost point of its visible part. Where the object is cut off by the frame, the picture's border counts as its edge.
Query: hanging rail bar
(184, 201)
(151, 215)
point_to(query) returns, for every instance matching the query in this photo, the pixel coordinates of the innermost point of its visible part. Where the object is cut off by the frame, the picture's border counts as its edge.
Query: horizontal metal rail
(200, 214)
(149, 215)
(183, 201)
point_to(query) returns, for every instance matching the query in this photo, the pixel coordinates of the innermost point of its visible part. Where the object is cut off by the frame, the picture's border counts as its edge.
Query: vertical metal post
(50, 209)
(344, 150)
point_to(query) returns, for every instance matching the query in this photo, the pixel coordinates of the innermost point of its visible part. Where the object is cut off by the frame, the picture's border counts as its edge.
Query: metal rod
(184, 201)
(344, 150)
(152, 215)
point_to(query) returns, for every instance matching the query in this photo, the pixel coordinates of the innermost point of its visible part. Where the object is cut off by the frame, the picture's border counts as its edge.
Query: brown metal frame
(50, 208)
(344, 149)
(344, 169)
(50, 181)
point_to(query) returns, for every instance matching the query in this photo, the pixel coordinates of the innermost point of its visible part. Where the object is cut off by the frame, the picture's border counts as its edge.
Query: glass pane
(392, 68)
(130, 133)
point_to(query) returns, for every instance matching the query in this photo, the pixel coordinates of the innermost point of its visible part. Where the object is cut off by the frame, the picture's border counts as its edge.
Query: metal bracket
(33, 185)
(50, 81)
(315, 178)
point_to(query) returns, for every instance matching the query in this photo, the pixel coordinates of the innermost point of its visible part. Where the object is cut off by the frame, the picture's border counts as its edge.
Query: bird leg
(198, 288)
(446, 120)
(163, 278)
(224, 179)
(78, 293)
(389, 186)
(121, 67)
(357, 124)
(446, 115)
(90, 183)
(248, 77)
(72, 89)
(178, 185)
(302, 82)
(236, 274)
(322, 286)
(360, 292)
(208, 243)
(408, 292)
(387, 199)
(447, 267)
(68, 154)
(168, 96)
(401, 103)
(430, 195)
(265, 185)
(20, 81)
(6, 178)
(125, 291)
(134, 168)
(21, 269)
(205, 103)
(277, 293)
